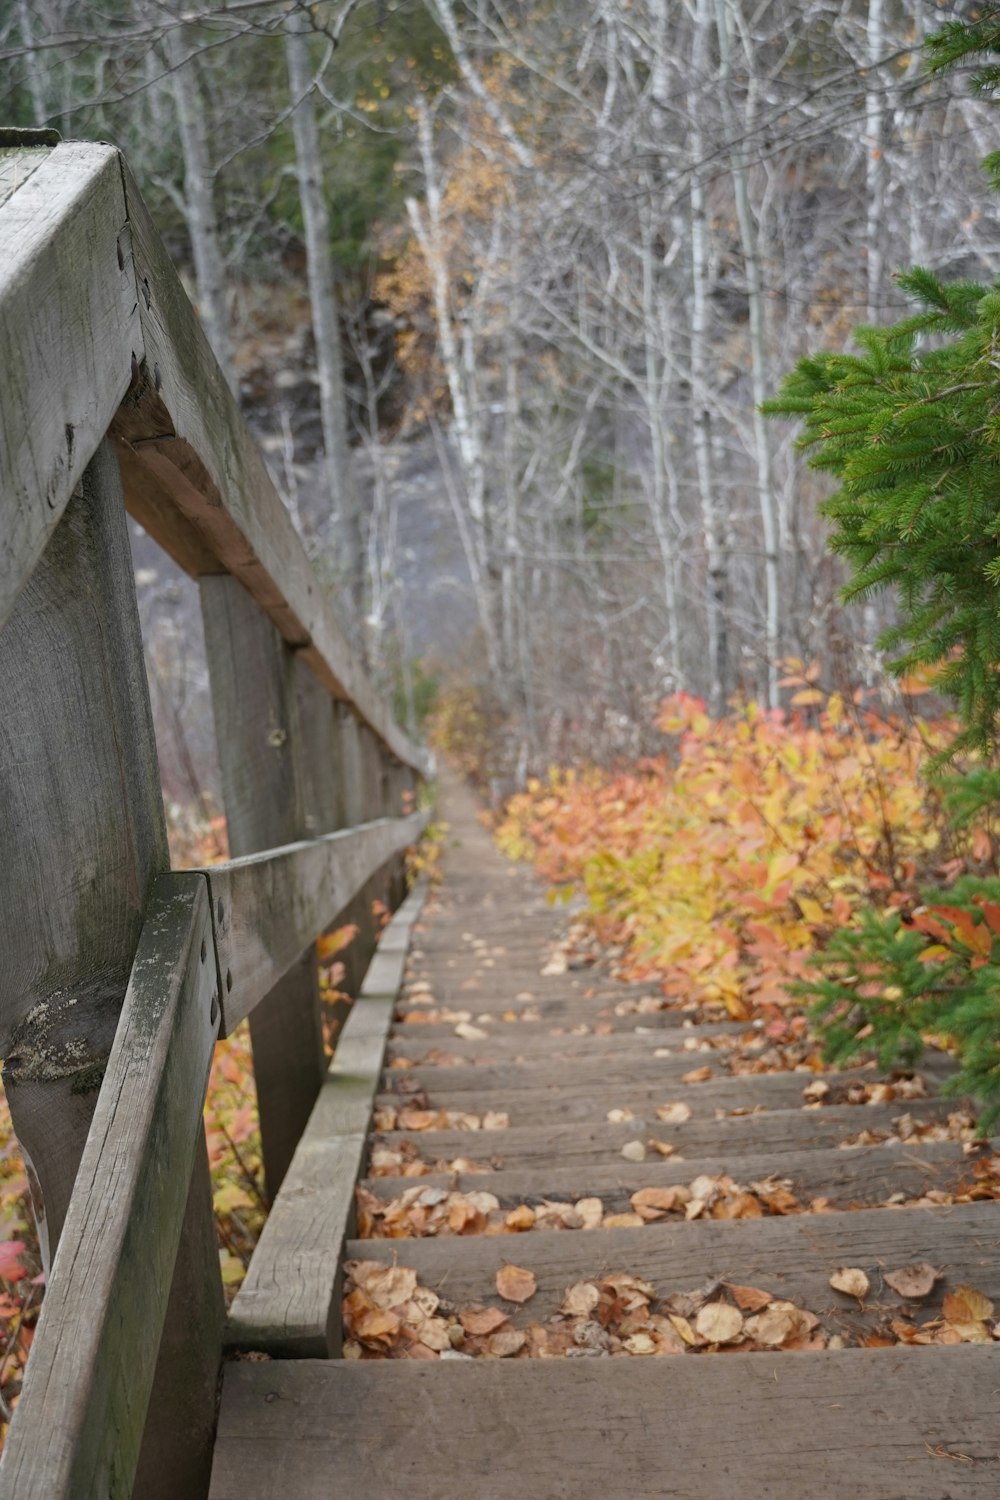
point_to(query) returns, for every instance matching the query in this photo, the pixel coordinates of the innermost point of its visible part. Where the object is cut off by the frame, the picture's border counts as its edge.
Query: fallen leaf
(719, 1323)
(697, 1075)
(520, 1218)
(674, 1114)
(749, 1298)
(591, 1211)
(387, 1286)
(653, 1203)
(634, 1151)
(507, 1342)
(771, 1328)
(916, 1280)
(640, 1343)
(471, 1033)
(850, 1280)
(965, 1305)
(482, 1320)
(580, 1300)
(515, 1284)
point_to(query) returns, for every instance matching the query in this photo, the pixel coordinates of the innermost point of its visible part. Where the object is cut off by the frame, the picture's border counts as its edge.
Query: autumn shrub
(723, 864)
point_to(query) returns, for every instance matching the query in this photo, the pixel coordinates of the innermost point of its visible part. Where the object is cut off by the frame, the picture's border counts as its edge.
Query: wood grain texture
(564, 1145)
(268, 907)
(185, 427)
(861, 1174)
(871, 1423)
(16, 165)
(289, 1303)
(603, 1070)
(79, 1423)
(791, 1257)
(81, 825)
(556, 1102)
(69, 328)
(264, 770)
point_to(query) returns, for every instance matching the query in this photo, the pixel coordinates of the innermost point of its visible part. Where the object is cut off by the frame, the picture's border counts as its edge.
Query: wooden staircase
(564, 1404)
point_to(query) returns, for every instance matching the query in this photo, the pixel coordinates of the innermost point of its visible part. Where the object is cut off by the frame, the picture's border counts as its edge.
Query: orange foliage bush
(721, 865)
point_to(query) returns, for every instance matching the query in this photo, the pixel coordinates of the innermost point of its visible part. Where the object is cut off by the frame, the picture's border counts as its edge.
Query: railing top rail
(97, 333)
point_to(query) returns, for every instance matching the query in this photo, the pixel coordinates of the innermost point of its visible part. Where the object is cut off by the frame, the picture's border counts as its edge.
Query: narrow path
(567, 1183)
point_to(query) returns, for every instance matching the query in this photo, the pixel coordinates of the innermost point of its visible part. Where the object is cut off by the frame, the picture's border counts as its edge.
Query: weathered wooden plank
(774, 1130)
(81, 826)
(264, 763)
(559, 1102)
(622, 1069)
(289, 1302)
(882, 1424)
(185, 426)
(860, 1174)
(17, 162)
(69, 328)
(791, 1257)
(185, 1386)
(79, 1423)
(268, 907)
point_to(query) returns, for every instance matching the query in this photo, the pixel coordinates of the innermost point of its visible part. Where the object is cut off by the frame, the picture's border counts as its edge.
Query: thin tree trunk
(199, 201)
(761, 384)
(875, 159)
(701, 427)
(32, 66)
(344, 502)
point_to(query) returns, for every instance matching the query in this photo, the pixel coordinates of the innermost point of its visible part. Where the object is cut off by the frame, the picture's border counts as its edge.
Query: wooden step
(588, 1103)
(611, 1069)
(792, 1257)
(861, 1174)
(738, 1135)
(866, 1424)
(506, 1044)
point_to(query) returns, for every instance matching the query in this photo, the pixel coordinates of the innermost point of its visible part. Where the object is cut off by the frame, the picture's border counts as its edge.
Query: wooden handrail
(118, 345)
(110, 398)
(78, 1426)
(266, 908)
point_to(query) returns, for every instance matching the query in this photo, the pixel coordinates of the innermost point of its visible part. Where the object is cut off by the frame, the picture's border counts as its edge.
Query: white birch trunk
(199, 202)
(344, 503)
(761, 384)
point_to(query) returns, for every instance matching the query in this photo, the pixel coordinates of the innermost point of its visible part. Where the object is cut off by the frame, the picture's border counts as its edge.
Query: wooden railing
(116, 975)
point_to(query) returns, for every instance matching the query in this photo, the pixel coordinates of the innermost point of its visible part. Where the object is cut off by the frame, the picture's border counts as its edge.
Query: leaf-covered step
(622, 1096)
(791, 1258)
(775, 1130)
(861, 1175)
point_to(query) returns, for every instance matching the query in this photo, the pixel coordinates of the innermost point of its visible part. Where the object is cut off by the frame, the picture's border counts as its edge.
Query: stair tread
(867, 1174)
(882, 1424)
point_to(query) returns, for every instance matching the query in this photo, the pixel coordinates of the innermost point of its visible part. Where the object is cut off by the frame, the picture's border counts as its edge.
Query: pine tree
(910, 429)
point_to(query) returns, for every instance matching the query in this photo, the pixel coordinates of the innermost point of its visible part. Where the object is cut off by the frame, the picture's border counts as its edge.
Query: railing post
(277, 755)
(82, 833)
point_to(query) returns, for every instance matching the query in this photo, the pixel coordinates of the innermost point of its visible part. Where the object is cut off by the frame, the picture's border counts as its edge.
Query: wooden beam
(268, 907)
(69, 337)
(78, 1426)
(270, 769)
(81, 827)
(185, 427)
(289, 1304)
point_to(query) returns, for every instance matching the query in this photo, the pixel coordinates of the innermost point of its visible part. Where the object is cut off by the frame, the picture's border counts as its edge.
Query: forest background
(501, 289)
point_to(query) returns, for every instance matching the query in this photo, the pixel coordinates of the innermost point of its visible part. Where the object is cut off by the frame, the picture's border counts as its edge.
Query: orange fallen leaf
(696, 1075)
(515, 1284)
(749, 1298)
(482, 1320)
